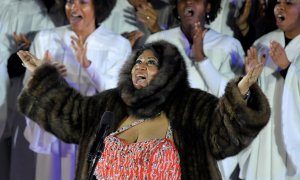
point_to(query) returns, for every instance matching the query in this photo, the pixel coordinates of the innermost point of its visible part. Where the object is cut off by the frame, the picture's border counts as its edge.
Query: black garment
(14, 66)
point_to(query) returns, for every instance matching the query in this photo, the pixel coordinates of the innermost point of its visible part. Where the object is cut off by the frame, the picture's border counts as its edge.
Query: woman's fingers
(254, 73)
(27, 60)
(47, 57)
(61, 68)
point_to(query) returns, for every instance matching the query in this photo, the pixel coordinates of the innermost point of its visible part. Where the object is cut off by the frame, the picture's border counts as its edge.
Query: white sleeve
(215, 81)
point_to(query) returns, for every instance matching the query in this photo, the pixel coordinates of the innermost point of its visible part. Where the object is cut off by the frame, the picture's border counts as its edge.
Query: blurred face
(191, 12)
(81, 15)
(287, 14)
(145, 69)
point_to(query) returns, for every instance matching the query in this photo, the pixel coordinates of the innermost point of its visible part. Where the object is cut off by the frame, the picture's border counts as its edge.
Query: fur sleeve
(50, 102)
(237, 121)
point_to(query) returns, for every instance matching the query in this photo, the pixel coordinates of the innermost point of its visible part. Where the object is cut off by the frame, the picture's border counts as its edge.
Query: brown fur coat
(205, 128)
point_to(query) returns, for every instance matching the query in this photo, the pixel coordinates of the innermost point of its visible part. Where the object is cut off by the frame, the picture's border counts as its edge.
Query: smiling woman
(162, 128)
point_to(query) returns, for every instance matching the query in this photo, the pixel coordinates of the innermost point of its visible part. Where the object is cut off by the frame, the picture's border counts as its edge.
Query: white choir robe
(117, 21)
(225, 59)
(3, 93)
(15, 17)
(275, 152)
(107, 52)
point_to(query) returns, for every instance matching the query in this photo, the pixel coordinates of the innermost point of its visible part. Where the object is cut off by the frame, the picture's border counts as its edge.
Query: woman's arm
(59, 109)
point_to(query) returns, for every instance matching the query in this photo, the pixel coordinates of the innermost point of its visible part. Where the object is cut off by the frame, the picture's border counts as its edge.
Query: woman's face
(145, 69)
(191, 12)
(81, 15)
(287, 14)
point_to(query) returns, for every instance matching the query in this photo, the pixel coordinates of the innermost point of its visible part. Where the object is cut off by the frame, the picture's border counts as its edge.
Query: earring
(207, 16)
(178, 17)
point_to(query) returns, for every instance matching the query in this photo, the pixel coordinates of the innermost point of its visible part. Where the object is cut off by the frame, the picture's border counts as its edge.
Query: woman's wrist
(246, 96)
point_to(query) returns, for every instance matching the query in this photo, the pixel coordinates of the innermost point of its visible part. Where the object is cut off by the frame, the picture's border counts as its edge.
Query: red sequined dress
(153, 159)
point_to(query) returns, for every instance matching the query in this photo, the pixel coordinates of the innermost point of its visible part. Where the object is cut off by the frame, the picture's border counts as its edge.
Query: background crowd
(91, 39)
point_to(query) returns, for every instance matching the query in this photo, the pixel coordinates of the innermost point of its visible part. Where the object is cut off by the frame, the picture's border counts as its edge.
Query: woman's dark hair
(157, 49)
(103, 9)
(215, 9)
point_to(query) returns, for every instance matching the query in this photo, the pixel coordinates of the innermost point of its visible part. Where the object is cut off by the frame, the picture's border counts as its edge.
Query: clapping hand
(242, 21)
(278, 55)
(30, 61)
(148, 16)
(80, 50)
(253, 70)
(22, 42)
(198, 34)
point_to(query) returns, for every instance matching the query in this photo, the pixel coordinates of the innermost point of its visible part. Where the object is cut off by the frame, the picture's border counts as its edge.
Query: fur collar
(150, 101)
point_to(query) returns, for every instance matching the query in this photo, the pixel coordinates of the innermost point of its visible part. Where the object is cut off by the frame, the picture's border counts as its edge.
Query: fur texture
(149, 101)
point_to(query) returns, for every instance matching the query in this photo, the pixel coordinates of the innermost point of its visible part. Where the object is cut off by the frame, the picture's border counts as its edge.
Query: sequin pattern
(153, 159)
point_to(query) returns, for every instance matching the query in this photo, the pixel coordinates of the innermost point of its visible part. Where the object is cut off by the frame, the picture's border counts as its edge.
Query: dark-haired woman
(90, 56)
(163, 129)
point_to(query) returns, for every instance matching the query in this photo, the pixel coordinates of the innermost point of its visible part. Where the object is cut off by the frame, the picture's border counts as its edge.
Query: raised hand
(242, 21)
(30, 61)
(198, 34)
(251, 59)
(278, 55)
(253, 70)
(21, 41)
(148, 16)
(80, 50)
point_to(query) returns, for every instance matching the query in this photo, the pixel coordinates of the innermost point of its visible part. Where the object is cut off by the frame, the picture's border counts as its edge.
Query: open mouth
(75, 18)
(140, 77)
(189, 12)
(280, 17)
(140, 80)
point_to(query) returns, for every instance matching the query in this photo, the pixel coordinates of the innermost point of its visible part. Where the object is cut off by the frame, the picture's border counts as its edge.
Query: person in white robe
(222, 56)
(91, 56)
(21, 17)
(274, 153)
(127, 18)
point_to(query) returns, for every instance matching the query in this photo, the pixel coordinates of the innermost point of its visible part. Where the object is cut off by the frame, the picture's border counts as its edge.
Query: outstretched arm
(58, 108)
(236, 120)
